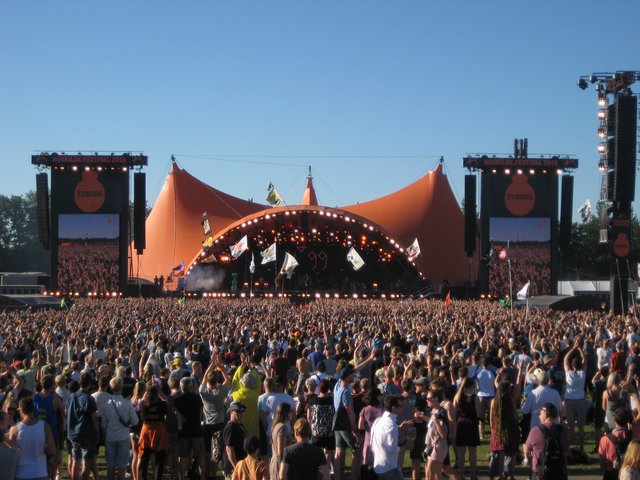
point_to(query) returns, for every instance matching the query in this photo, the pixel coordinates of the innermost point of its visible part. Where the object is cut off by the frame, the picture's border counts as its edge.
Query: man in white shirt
(540, 396)
(118, 415)
(576, 406)
(268, 402)
(603, 354)
(384, 439)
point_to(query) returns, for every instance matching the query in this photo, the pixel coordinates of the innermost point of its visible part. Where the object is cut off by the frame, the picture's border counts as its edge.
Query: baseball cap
(176, 361)
(236, 406)
(346, 372)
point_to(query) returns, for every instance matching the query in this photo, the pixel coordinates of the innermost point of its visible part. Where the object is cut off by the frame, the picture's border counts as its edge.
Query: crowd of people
(257, 389)
(89, 265)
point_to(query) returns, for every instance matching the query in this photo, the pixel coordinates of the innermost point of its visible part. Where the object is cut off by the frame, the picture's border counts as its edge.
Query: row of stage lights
(291, 295)
(86, 168)
(77, 294)
(519, 171)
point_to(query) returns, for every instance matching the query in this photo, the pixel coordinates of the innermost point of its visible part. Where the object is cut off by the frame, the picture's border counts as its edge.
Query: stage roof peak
(309, 197)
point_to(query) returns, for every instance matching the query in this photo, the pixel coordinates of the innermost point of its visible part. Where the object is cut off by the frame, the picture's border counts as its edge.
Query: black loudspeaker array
(470, 214)
(139, 212)
(566, 207)
(625, 148)
(42, 205)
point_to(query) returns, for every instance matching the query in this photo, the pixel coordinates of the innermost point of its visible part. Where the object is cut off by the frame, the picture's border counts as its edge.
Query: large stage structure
(519, 234)
(87, 224)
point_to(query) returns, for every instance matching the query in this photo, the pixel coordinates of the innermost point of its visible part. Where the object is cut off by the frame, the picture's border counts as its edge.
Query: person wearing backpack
(547, 446)
(613, 446)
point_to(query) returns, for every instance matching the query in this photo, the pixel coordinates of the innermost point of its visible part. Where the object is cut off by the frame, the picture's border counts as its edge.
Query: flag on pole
(289, 265)
(413, 250)
(239, 248)
(273, 196)
(252, 266)
(585, 210)
(269, 255)
(209, 259)
(178, 268)
(356, 260)
(523, 293)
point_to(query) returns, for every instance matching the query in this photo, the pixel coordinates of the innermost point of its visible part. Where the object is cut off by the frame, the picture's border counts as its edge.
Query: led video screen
(88, 253)
(525, 243)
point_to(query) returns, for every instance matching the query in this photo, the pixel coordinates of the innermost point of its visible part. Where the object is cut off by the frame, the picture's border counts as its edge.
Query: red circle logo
(520, 197)
(89, 193)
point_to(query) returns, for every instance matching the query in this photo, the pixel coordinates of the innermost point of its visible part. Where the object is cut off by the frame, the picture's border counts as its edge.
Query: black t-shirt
(188, 407)
(233, 436)
(304, 460)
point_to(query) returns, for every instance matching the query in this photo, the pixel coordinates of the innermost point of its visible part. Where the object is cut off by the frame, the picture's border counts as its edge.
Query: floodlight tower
(617, 149)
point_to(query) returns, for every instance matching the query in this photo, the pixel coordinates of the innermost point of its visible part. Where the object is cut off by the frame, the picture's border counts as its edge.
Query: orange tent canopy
(426, 209)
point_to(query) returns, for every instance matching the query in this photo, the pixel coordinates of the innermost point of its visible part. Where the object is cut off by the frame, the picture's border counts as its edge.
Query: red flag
(447, 299)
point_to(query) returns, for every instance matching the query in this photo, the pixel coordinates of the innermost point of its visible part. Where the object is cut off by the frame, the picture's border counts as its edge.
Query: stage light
(336, 295)
(347, 219)
(494, 171)
(74, 168)
(99, 169)
(602, 148)
(603, 101)
(601, 166)
(602, 114)
(531, 171)
(86, 169)
(507, 171)
(519, 172)
(355, 295)
(124, 169)
(601, 132)
(582, 83)
(559, 171)
(242, 295)
(267, 216)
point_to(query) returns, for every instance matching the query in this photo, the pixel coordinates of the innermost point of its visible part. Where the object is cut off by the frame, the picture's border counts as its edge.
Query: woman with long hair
(154, 439)
(281, 437)
(505, 434)
(630, 469)
(614, 397)
(437, 432)
(467, 405)
(139, 389)
(373, 409)
(320, 415)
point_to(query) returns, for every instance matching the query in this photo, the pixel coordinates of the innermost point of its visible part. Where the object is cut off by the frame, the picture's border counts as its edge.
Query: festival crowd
(360, 389)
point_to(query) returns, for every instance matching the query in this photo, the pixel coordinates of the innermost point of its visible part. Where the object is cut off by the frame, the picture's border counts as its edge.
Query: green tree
(20, 247)
(587, 258)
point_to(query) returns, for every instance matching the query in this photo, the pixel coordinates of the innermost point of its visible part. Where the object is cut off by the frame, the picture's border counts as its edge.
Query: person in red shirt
(619, 360)
(613, 445)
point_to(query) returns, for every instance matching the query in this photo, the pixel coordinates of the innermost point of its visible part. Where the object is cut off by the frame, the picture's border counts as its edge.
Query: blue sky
(369, 93)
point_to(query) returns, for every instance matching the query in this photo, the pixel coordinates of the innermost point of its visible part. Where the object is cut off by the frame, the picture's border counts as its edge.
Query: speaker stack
(566, 207)
(470, 214)
(139, 212)
(42, 206)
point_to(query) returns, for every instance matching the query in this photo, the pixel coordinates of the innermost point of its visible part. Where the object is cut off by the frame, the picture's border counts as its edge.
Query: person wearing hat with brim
(539, 396)
(245, 388)
(233, 436)
(548, 420)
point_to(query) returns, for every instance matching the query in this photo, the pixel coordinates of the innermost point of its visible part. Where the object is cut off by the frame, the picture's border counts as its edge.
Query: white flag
(239, 248)
(524, 292)
(585, 210)
(355, 259)
(269, 255)
(413, 250)
(273, 197)
(252, 266)
(289, 265)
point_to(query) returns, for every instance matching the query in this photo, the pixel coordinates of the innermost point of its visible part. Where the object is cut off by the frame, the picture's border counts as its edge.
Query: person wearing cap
(346, 436)
(533, 447)
(177, 370)
(539, 396)
(233, 437)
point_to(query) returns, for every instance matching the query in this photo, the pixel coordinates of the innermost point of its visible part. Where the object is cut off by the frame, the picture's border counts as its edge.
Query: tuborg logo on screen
(89, 193)
(519, 197)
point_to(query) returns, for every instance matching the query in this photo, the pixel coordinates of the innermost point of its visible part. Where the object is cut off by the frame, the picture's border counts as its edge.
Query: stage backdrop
(89, 225)
(519, 214)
